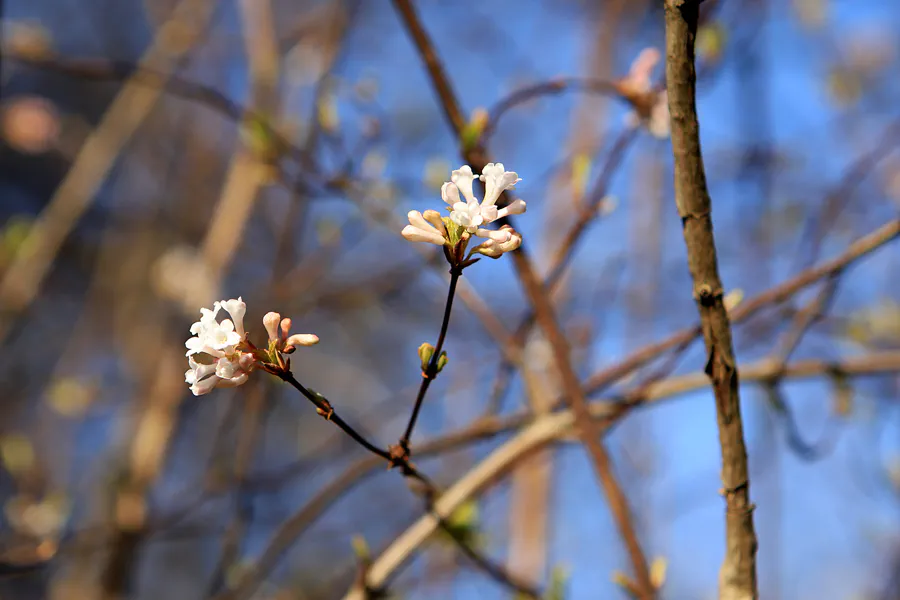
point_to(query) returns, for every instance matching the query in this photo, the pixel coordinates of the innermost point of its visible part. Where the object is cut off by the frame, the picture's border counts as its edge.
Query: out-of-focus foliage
(161, 155)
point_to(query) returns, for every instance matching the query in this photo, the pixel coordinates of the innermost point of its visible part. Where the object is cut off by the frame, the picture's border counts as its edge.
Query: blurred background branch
(158, 156)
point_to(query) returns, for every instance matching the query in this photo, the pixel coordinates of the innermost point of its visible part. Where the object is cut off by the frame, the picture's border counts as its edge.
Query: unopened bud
(361, 548)
(271, 321)
(434, 217)
(300, 339)
(488, 248)
(471, 133)
(285, 327)
(426, 351)
(443, 359)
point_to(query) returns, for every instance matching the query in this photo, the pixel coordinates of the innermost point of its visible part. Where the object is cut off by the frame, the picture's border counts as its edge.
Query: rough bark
(737, 577)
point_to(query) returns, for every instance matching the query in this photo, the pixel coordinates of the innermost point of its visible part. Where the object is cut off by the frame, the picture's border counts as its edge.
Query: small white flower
(301, 339)
(237, 309)
(201, 377)
(462, 178)
(641, 68)
(516, 207)
(467, 215)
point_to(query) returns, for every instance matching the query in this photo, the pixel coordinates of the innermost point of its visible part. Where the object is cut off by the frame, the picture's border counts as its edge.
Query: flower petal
(463, 178)
(237, 309)
(450, 193)
(641, 68)
(516, 207)
(497, 180)
(206, 386)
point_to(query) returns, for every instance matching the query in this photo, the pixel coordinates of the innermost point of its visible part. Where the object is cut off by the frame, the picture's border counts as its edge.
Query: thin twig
(554, 86)
(431, 370)
(324, 408)
(494, 570)
(247, 586)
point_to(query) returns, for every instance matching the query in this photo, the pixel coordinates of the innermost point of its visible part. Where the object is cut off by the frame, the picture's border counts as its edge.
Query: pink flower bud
(285, 328)
(302, 339)
(271, 321)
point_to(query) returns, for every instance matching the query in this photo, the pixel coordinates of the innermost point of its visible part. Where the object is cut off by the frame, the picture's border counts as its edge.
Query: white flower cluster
(214, 356)
(470, 215)
(220, 355)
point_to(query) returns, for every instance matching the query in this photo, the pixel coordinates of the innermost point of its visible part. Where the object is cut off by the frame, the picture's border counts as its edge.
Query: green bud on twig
(443, 359)
(426, 351)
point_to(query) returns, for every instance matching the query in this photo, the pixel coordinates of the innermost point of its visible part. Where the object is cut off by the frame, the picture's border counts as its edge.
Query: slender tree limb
(324, 408)
(431, 370)
(748, 308)
(737, 577)
(496, 571)
(760, 372)
(558, 85)
(248, 584)
(559, 425)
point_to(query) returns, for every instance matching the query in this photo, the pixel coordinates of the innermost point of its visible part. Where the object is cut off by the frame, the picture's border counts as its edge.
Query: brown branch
(835, 202)
(737, 577)
(438, 76)
(93, 539)
(802, 321)
(559, 85)
(557, 426)
(545, 317)
(247, 586)
(858, 249)
(497, 572)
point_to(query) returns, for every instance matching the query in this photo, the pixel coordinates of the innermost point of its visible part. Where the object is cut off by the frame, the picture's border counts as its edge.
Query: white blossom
(472, 215)
(214, 357)
(466, 212)
(497, 180)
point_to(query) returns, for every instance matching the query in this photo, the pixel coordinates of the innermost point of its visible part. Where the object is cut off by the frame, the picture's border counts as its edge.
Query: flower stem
(430, 372)
(327, 410)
